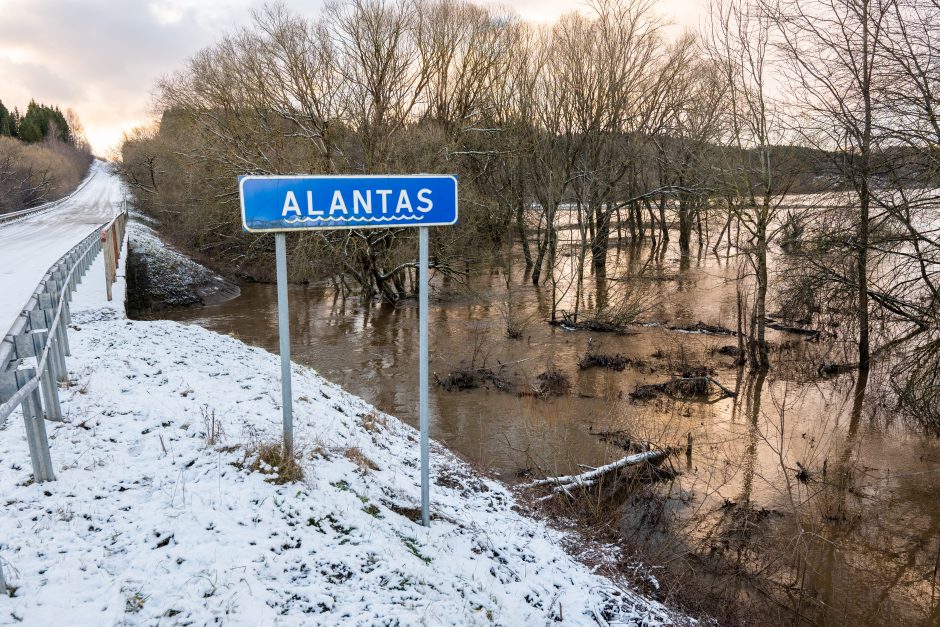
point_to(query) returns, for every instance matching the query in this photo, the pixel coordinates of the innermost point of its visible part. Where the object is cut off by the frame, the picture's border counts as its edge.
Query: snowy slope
(30, 246)
(149, 524)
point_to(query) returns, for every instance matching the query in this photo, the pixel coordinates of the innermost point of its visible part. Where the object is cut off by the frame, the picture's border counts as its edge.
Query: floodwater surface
(803, 494)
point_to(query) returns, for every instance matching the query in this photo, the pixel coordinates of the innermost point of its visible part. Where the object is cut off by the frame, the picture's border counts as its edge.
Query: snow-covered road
(30, 246)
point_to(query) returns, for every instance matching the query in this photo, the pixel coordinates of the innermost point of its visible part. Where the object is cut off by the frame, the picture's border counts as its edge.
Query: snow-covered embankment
(151, 523)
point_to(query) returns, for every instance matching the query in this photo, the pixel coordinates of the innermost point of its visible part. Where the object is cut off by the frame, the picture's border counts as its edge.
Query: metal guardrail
(41, 332)
(14, 216)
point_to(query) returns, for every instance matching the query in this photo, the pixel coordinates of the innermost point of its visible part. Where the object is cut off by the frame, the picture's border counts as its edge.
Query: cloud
(103, 57)
(684, 14)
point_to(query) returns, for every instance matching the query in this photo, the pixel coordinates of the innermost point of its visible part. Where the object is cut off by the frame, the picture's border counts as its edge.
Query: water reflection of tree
(826, 556)
(892, 557)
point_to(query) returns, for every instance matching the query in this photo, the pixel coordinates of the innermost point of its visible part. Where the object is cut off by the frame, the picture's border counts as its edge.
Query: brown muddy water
(804, 497)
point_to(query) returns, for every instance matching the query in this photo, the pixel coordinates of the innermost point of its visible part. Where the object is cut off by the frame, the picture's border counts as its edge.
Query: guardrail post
(36, 430)
(31, 345)
(59, 352)
(47, 379)
(63, 329)
(60, 292)
(115, 245)
(77, 275)
(108, 261)
(47, 305)
(10, 383)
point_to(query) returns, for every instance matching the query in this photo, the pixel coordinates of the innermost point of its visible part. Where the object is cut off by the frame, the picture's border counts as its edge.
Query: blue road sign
(291, 203)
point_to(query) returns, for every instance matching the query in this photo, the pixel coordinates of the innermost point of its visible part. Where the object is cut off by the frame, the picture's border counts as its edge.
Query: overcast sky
(102, 57)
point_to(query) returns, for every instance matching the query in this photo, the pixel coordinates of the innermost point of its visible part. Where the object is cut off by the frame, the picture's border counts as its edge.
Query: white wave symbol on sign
(316, 219)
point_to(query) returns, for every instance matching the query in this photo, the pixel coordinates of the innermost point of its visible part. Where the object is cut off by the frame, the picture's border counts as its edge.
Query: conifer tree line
(578, 137)
(38, 123)
(43, 155)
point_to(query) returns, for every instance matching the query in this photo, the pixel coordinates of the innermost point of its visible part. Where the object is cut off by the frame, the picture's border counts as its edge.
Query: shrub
(268, 457)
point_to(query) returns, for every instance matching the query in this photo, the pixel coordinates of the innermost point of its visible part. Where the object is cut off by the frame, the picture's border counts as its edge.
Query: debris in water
(611, 362)
(551, 383)
(692, 384)
(473, 378)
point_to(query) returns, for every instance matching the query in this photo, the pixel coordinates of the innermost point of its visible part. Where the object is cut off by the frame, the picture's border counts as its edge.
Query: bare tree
(739, 42)
(831, 50)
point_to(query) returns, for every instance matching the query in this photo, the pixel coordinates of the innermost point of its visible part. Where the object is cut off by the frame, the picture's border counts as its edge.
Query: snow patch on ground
(150, 524)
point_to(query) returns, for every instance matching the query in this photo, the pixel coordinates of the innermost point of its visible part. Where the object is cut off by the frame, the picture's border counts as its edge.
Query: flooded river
(803, 495)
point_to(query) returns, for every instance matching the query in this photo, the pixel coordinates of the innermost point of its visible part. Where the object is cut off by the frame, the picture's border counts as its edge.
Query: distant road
(30, 246)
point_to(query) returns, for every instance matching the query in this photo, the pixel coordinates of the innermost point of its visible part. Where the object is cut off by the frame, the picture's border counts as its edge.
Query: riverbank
(163, 512)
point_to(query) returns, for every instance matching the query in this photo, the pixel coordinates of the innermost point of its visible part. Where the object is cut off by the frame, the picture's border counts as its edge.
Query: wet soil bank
(160, 277)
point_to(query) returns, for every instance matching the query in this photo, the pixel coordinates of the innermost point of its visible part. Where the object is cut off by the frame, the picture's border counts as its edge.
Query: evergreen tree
(30, 130)
(38, 123)
(4, 120)
(41, 122)
(15, 123)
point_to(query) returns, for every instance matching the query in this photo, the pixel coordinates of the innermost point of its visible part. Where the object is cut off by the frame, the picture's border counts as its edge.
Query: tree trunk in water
(685, 227)
(721, 235)
(386, 287)
(552, 238)
(601, 243)
(619, 228)
(638, 211)
(537, 269)
(649, 210)
(523, 238)
(398, 280)
(864, 350)
(698, 221)
(546, 245)
(664, 228)
(760, 304)
(591, 229)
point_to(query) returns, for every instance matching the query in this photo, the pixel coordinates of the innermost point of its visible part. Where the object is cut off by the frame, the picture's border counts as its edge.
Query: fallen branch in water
(589, 478)
(705, 329)
(831, 370)
(779, 326)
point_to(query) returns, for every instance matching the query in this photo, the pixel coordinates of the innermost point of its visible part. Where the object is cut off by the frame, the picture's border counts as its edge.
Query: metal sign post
(423, 374)
(277, 204)
(283, 331)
